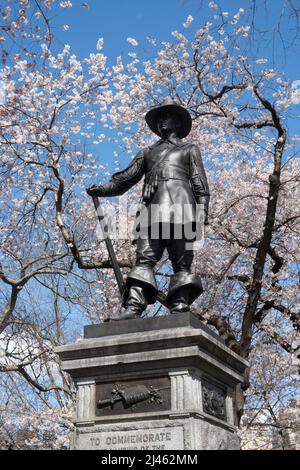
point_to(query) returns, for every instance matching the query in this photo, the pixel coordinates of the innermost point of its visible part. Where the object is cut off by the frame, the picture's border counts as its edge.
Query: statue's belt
(168, 173)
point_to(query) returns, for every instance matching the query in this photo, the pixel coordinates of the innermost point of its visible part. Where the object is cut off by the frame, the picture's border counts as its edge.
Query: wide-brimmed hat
(171, 106)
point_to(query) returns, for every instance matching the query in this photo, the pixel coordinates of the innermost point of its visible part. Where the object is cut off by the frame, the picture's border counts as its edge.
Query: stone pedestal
(155, 383)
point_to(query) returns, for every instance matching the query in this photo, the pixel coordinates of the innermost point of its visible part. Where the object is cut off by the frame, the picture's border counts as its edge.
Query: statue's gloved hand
(94, 190)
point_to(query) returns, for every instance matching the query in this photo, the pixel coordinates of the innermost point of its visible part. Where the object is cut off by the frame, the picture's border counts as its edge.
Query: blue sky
(115, 20)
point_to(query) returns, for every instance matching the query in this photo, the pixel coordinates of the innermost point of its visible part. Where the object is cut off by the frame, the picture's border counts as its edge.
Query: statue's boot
(184, 288)
(135, 304)
(180, 300)
(141, 291)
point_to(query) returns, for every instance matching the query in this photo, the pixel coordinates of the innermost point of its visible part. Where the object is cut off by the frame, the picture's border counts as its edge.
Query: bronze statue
(174, 176)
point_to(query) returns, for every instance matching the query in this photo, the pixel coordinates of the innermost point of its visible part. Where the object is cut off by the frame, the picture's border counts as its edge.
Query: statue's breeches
(149, 251)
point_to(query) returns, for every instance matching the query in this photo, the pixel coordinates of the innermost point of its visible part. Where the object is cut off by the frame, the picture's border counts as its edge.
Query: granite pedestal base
(155, 383)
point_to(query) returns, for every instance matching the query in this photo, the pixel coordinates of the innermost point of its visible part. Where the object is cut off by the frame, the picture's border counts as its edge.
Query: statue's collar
(172, 140)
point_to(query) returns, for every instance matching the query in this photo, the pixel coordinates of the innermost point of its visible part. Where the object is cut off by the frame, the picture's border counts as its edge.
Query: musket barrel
(110, 248)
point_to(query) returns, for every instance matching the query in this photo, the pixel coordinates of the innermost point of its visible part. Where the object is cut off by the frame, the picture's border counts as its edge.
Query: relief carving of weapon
(132, 395)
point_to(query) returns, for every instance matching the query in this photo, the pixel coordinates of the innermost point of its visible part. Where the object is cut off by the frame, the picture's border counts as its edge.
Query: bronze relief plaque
(214, 400)
(133, 396)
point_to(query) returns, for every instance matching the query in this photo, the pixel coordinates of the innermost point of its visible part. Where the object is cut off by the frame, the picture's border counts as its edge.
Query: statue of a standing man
(174, 178)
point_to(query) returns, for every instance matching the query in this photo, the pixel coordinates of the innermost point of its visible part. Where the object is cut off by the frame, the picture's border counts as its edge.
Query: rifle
(161, 297)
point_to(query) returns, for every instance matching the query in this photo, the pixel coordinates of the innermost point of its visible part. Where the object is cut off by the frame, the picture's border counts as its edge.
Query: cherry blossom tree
(55, 113)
